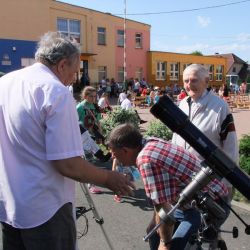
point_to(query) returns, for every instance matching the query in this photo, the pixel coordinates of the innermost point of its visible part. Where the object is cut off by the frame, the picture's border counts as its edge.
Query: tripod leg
(97, 217)
(90, 201)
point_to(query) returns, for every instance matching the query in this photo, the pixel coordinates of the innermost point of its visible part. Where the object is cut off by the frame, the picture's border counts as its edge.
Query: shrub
(245, 153)
(118, 116)
(157, 129)
(237, 196)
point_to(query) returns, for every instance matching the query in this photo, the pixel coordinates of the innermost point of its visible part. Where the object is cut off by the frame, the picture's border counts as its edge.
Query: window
(174, 71)
(138, 40)
(101, 36)
(27, 61)
(210, 69)
(6, 60)
(211, 72)
(218, 73)
(185, 65)
(160, 71)
(70, 28)
(138, 73)
(234, 69)
(120, 38)
(120, 74)
(102, 72)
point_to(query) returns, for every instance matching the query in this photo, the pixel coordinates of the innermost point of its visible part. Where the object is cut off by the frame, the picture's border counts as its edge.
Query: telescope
(174, 118)
(216, 162)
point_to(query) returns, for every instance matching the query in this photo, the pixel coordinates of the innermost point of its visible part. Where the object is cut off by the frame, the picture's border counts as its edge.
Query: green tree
(196, 53)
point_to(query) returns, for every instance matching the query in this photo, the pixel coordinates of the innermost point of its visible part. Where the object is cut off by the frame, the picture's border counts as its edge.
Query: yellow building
(99, 34)
(165, 68)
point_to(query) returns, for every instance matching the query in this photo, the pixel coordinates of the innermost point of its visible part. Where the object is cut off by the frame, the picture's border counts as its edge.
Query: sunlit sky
(177, 27)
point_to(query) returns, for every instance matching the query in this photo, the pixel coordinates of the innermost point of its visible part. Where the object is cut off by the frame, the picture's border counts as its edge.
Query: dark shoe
(100, 156)
(142, 121)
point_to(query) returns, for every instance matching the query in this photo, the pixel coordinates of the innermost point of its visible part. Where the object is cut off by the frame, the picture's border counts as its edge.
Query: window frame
(120, 38)
(211, 72)
(101, 35)
(68, 32)
(27, 61)
(185, 65)
(102, 72)
(138, 44)
(174, 73)
(219, 73)
(160, 72)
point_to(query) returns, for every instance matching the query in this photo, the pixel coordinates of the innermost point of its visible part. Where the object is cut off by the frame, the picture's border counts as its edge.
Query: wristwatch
(163, 242)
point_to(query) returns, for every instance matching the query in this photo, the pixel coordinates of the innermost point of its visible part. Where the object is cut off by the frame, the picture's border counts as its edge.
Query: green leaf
(157, 129)
(244, 148)
(118, 116)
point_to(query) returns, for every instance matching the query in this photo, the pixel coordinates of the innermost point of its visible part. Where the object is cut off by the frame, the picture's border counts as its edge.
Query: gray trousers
(58, 233)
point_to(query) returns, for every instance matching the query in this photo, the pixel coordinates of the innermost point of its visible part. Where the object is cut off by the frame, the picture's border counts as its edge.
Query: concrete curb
(241, 205)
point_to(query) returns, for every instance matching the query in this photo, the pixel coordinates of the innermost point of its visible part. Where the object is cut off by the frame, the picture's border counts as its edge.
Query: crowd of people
(224, 91)
(46, 137)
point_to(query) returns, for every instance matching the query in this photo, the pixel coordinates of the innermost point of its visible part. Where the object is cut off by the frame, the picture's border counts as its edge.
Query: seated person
(122, 96)
(127, 104)
(103, 103)
(144, 92)
(90, 146)
(157, 96)
(89, 113)
(89, 116)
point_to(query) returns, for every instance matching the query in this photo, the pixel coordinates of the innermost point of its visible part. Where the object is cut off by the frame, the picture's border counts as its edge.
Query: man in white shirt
(122, 97)
(41, 149)
(127, 105)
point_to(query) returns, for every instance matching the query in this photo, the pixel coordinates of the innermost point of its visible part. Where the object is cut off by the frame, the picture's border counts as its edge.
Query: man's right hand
(119, 183)
(83, 171)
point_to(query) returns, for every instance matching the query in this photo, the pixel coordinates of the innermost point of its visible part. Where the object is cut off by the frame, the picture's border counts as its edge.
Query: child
(131, 172)
(91, 148)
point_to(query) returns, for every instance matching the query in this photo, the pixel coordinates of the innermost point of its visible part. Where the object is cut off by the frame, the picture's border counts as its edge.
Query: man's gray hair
(54, 47)
(199, 69)
(125, 135)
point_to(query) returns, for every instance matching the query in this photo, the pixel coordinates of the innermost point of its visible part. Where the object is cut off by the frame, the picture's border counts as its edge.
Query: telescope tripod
(80, 211)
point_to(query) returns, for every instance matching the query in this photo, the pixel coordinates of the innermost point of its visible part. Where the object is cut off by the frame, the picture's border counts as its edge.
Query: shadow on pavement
(139, 200)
